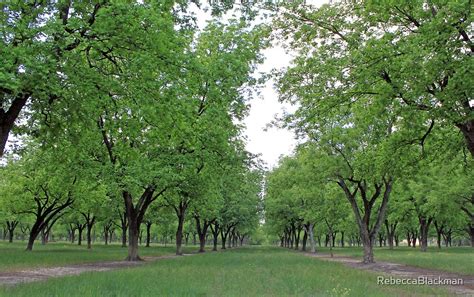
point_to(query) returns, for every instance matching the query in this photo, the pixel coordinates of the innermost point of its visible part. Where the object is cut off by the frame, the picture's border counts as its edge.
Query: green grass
(454, 259)
(240, 272)
(14, 257)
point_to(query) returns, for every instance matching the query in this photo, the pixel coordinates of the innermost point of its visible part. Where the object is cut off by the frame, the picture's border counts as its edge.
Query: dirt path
(39, 274)
(405, 271)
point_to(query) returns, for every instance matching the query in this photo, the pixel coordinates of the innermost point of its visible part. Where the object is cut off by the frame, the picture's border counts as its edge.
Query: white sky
(274, 141)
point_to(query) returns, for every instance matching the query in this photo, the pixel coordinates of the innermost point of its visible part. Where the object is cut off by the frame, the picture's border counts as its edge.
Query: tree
(33, 190)
(349, 106)
(358, 53)
(91, 201)
(37, 43)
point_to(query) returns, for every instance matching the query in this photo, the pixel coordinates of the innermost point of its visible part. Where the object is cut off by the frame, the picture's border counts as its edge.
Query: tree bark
(135, 214)
(467, 130)
(133, 234)
(215, 234)
(7, 118)
(202, 231)
(223, 239)
(148, 233)
(296, 235)
(390, 228)
(414, 235)
(124, 227)
(439, 230)
(72, 232)
(305, 239)
(180, 213)
(80, 227)
(311, 237)
(90, 221)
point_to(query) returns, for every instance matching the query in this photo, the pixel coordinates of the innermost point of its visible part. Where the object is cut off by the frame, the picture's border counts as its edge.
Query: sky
(272, 142)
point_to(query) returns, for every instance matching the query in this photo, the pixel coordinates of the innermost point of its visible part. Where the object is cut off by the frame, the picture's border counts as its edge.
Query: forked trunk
(424, 228)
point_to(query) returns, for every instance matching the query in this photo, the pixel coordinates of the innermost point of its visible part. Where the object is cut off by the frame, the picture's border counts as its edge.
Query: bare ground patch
(39, 274)
(405, 271)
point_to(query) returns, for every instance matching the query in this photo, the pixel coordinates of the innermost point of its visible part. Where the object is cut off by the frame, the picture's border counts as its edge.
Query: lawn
(14, 257)
(454, 259)
(263, 271)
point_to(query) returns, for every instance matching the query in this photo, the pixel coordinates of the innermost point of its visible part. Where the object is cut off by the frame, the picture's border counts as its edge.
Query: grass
(454, 259)
(253, 271)
(14, 257)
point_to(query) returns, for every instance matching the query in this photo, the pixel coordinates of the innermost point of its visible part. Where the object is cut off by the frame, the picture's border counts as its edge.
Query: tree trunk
(31, 241)
(439, 230)
(89, 238)
(11, 225)
(180, 213)
(471, 233)
(223, 239)
(34, 232)
(390, 228)
(305, 239)
(133, 234)
(297, 234)
(424, 229)
(330, 242)
(8, 117)
(106, 237)
(148, 233)
(367, 242)
(135, 216)
(215, 235)
(311, 238)
(73, 235)
(44, 237)
(202, 231)
(124, 234)
(413, 239)
(90, 221)
(467, 130)
(80, 228)
(367, 232)
(10, 235)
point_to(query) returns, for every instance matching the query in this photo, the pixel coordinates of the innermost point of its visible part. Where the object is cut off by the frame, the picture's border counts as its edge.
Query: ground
(453, 259)
(249, 271)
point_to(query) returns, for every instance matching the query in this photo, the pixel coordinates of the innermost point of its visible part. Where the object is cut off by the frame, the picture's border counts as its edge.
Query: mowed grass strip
(238, 272)
(453, 259)
(14, 257)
